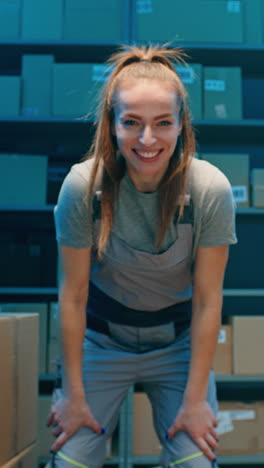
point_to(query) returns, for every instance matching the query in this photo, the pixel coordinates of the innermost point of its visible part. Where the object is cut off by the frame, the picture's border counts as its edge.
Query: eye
(164, 123)
(129, 123)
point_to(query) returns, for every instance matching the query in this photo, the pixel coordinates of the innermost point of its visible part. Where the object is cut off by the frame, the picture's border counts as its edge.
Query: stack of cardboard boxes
(19, 390)
(50, 89)
(220, 21)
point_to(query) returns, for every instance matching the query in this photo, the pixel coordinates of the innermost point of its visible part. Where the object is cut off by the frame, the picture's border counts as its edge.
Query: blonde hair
(133, 62)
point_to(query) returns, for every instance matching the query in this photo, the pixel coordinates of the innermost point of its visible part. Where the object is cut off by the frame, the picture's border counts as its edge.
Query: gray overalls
(150, 345)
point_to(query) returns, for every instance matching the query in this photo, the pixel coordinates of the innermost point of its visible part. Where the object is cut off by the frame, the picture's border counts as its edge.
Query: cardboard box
(236, 169)
(25, 459)
(240, 426)
(10, 91)
(248, 345)
(223, 358)
(36, 85)
(170, 20)
(10, 19)
(100, 22)
(257, 181)
(253, 21)
(42, 311)
(76, 87)
(23, 179)
(18, 383)
(145, 439)
(191, 76)
(222, 93)
(42, 20)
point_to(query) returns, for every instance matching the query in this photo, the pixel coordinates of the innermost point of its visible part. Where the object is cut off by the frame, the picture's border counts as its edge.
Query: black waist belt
(102, 307)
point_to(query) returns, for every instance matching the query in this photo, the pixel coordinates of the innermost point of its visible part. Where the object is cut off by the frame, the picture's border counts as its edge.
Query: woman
(143, 230)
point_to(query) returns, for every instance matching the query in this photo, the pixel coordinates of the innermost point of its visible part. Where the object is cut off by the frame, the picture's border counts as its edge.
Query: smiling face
(146, 126)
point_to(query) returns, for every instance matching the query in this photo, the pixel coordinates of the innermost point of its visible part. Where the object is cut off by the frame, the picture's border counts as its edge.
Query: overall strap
(187, 218)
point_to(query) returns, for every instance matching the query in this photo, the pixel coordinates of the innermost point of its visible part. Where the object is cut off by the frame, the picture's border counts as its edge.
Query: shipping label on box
(222, 93)
(191, 76)
(222, 363)
(236, 169)
(240, 426)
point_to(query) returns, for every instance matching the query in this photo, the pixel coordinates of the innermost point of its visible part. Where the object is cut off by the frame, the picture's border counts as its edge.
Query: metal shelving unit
(54, 132)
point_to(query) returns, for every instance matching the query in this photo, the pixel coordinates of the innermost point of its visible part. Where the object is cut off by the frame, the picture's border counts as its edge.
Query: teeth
(148, 155)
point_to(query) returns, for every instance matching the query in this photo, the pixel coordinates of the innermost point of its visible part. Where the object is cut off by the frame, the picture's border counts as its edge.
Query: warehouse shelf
(238, 379)
(30, 208)
(61, 137)
(243, 292)
(25, 294)
(50, 208)
(242, 460)
(249, 57)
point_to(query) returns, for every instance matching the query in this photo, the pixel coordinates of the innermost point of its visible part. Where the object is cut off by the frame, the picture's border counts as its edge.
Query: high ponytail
(153, 63)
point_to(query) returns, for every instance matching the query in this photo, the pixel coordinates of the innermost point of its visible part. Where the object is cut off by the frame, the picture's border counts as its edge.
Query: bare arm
(72, 412)
(196, 416)
(73, 296)
(206, 317)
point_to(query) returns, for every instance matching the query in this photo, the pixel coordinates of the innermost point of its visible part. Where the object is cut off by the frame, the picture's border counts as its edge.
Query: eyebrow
(162, 116)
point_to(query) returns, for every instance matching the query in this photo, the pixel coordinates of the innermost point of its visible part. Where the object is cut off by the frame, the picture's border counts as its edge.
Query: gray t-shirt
(135, 219)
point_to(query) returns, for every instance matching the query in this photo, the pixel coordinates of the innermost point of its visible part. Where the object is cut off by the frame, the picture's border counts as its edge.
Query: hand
(67, 416)
(199, 421)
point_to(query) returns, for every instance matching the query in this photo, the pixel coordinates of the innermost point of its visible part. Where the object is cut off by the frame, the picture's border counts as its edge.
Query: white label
(233, 6)
(220, 111)
(144, 6)
(101, 72)
(186, 74)
(214, 85)
(240, 193)
(224, 422)
(239, 415)
(222, 336)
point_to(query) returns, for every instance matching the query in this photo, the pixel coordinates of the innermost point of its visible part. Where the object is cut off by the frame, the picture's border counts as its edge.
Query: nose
(147, 138)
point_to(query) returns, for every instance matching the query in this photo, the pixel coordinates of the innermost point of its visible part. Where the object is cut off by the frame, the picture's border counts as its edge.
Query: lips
(149, 155)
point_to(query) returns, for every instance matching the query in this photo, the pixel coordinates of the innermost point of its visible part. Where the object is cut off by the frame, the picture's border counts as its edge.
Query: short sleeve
(72, 224)
(218, 213)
